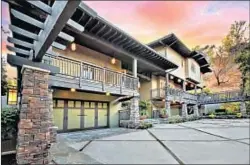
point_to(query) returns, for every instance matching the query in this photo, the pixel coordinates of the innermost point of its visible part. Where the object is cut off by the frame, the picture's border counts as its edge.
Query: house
(183, 82)
(93, 65)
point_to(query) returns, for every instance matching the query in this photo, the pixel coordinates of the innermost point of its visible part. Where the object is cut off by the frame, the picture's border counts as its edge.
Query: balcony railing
(80, 70)
(173, 94)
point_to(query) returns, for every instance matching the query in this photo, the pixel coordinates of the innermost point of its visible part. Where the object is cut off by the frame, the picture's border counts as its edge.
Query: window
(12, 96)
(193, 68)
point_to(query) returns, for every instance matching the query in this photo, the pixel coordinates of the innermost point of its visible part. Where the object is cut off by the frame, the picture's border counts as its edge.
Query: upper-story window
(193, 68)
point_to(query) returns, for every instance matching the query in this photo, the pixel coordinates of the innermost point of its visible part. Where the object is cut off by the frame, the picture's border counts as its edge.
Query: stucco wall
(114, 108)
(145, 90)
(193, 73)
(88, 55)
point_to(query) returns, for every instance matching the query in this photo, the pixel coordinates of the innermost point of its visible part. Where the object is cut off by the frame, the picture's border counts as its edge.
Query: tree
(4, 82)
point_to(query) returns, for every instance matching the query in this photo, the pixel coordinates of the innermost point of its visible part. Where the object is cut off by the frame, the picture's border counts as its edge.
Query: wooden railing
(203, 98)
(83, 70)
(222, 97)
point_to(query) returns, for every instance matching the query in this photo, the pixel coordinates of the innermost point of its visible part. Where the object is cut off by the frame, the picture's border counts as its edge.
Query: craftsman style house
(94, 65)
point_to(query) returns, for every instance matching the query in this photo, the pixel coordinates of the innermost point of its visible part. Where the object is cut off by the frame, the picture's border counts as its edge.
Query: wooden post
(121, 83)
(104, 79)
(81, 74)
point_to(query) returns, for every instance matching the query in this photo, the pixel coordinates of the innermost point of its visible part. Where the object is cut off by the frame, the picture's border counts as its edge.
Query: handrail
(83, 70)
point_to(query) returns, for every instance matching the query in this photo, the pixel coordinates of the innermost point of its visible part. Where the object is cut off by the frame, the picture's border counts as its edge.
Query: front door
(76, 115)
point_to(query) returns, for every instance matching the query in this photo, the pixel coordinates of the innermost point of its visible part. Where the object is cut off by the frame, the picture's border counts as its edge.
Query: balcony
(84, 76)
(173, 94)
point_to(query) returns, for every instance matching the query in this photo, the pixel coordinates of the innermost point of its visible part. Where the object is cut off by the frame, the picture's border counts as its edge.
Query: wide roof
(95, 28)
(176, 44)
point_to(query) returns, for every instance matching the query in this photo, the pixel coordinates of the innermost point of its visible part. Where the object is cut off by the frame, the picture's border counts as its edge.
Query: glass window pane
(105, 105)
(60, 103)
(92, 105)
(71, 104)
(78, 104)
(99, 105)
(12, 97)
(86, 104)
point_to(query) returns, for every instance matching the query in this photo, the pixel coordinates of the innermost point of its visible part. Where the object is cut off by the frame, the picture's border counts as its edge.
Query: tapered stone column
(184, 112)
(243, 109)
(134, 112)
(168, 108)
(35, 131)
(196, 110)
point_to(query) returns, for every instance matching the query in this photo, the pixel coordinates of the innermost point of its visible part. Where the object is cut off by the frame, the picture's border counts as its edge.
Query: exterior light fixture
(179, 80)
(163, 100)
(73, 46)
(107, 94)
(125, 71)
(171, 77)
(191, 85)
(72, 89)
(113, 60)
(173, 101)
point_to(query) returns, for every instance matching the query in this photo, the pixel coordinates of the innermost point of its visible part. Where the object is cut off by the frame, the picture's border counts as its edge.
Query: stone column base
(168, 108)
(243, 109)
(134, 112)
(196, 110)
(184, 110)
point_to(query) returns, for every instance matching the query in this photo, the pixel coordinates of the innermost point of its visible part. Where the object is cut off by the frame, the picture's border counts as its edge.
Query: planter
(8, 145)
(163, 116)
(143, 117)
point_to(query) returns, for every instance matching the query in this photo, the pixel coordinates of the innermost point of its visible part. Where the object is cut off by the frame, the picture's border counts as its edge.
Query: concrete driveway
(198, 142)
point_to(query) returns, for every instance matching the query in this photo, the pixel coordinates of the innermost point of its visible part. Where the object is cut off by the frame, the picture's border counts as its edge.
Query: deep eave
(94, 26)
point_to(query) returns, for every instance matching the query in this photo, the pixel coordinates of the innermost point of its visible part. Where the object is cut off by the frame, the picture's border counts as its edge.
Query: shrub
(9, 122)
(238, 115)
(212, 116)
(144, 125)
(175, 119)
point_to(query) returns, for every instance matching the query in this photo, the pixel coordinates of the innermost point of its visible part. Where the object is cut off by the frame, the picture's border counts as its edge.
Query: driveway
(197, 142)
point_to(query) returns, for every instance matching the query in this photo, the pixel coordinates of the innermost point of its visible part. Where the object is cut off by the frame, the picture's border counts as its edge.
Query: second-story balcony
(173, 94)
(89, 77)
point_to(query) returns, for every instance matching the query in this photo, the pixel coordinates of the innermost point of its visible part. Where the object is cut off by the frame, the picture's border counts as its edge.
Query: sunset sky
(194, 22)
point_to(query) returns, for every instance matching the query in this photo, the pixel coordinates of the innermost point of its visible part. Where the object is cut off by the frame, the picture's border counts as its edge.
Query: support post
(196, 110)
(135, 67)
(243, 109)
(134, 112)
(184, 112)
(168, 108)
(35, 128)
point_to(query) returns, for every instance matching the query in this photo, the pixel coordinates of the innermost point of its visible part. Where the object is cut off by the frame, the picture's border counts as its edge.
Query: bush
(175, 119)
(238, 115)
(9, 122)
(212, 116)
(144, 125)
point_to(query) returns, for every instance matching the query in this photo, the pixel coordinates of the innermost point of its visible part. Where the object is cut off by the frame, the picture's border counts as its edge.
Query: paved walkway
(197, 142)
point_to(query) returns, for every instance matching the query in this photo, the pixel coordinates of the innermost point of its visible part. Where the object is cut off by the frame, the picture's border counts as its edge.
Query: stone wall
(35, 129)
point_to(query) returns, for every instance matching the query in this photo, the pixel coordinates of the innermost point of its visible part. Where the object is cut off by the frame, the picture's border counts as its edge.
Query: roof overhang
(92, 28)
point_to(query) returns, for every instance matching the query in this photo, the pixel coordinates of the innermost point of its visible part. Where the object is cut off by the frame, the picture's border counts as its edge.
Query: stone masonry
(184, 110)
(168, 108)
(134, 112)
(243, 109)
(196, 110)
(35, 129)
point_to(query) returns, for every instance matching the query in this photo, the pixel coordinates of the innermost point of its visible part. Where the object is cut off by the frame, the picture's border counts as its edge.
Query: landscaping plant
(9, 122)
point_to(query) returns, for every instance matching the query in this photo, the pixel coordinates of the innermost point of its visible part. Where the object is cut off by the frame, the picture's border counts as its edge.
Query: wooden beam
(41, 5)
(204, 65)
(20, 42)
(58, 45)
(23, 32)
(61, 13)
(20, 61)
(75, 25)
(112, 35)
(110, 30)
(27, 19)
(18, 50)
(66, 37)
(116, 38)
(88, 10)
(200, 58)
(99, 31)
(197, 54)
(94, 27)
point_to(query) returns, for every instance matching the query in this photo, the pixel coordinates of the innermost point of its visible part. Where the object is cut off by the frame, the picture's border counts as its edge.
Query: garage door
(76, 115)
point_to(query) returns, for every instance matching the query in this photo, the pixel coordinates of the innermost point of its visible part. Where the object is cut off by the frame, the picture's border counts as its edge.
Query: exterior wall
(145, 90)
(154, 82)
(179, 60)
(175, 110)
(193, 70)
(114, 108)
(90, 56)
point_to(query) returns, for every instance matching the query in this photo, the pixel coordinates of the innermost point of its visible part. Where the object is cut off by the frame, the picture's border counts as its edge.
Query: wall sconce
(73, 46)
(107, 94)
(179, 80)
(72, 89)
(186, 83)
(191, 85)
(171, 77)
(163, 100)
(113, 60)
